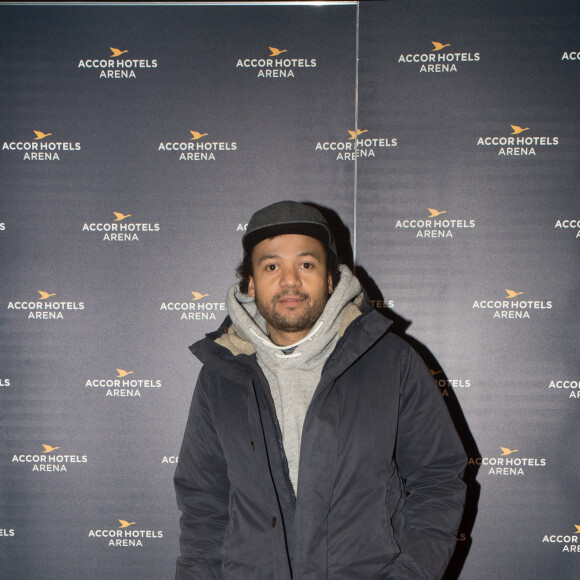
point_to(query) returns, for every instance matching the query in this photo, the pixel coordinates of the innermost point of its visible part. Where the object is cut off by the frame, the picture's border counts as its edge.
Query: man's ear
(330, 285)
(251, 290)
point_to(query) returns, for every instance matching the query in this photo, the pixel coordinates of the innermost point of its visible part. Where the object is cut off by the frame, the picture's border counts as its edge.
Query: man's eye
(308, 265)
(271, 267)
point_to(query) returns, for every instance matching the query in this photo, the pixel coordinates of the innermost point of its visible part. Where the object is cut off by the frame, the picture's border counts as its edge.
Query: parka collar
(357, 338)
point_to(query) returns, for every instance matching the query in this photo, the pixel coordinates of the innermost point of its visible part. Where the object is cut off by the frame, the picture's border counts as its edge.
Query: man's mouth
(291, 300)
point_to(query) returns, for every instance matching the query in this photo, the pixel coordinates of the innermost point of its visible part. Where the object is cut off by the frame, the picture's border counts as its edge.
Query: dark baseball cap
(287, 217)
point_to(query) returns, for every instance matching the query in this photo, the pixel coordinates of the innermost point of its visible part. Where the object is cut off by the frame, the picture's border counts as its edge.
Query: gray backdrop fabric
(441, 138)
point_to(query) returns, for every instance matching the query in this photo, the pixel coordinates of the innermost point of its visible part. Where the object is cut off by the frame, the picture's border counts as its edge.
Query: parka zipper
(273, 416)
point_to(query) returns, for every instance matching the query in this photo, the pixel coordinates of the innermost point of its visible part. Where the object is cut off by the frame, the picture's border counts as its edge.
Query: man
(317, 444)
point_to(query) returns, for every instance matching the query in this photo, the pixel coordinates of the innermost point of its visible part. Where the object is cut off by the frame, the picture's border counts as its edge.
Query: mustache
(292, 293)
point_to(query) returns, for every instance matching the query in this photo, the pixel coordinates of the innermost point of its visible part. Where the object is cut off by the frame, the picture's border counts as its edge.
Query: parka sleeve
(202, 490)
(431, 460)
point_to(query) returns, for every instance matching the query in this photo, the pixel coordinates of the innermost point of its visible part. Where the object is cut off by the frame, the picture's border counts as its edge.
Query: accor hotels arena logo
(567, 540)
(436, 223)
(518, 142)
(52, 459)
(118, 64)
(126, 534)
(569, 386)
(508, 462)
(447, 385)
(42, 147)
(121, 228)
(515, 304)
(123, 383)
(360, 143)
(441, 58)
(571, 55)
(276, 63)
(198, 307)
(47, 306)
(565, 224)
(382, 305)
(200, 146)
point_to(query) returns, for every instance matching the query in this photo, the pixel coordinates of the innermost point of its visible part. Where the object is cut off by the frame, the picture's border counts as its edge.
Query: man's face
(290, 285)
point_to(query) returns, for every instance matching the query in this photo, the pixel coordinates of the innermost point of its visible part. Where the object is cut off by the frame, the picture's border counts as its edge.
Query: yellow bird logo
(45, 295)
(123, 373)
(438, 46)
(120, 217)
(40, 135)
(197, 135)
(517, 130)
(125, 523)
(506, 451)
(435, 212)
(275, 51)
(577, 529)
(49, 448)
(434, 372)
(512, 294)
(116, 52)
(198, 296)
(355, 134)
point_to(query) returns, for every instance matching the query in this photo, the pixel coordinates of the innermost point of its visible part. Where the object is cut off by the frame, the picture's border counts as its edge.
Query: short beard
(285, 324)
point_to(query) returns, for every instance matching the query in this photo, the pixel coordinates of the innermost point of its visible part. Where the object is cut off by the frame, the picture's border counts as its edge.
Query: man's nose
(290, 278)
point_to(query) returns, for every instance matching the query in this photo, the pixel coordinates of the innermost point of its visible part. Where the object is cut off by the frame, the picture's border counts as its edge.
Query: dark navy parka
(380, 489)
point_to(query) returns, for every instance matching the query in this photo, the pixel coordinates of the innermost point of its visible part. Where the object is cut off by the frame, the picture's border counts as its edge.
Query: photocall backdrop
(135, 143)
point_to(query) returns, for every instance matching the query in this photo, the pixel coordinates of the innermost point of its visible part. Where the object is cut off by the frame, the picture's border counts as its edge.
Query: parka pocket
(231, 531)
(394, 503)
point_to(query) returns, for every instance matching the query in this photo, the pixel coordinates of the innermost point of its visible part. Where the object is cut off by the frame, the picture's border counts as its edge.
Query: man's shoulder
(375, 323)
(220, 365)
(371, 334)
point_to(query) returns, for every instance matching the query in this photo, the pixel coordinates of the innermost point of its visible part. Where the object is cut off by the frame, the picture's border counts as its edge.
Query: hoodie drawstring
(270, 344)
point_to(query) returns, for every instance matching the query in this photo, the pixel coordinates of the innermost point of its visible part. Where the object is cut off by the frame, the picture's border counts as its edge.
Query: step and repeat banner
(441, 138)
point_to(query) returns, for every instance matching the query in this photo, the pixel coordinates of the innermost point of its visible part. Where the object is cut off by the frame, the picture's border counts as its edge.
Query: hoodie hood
(249, 332)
